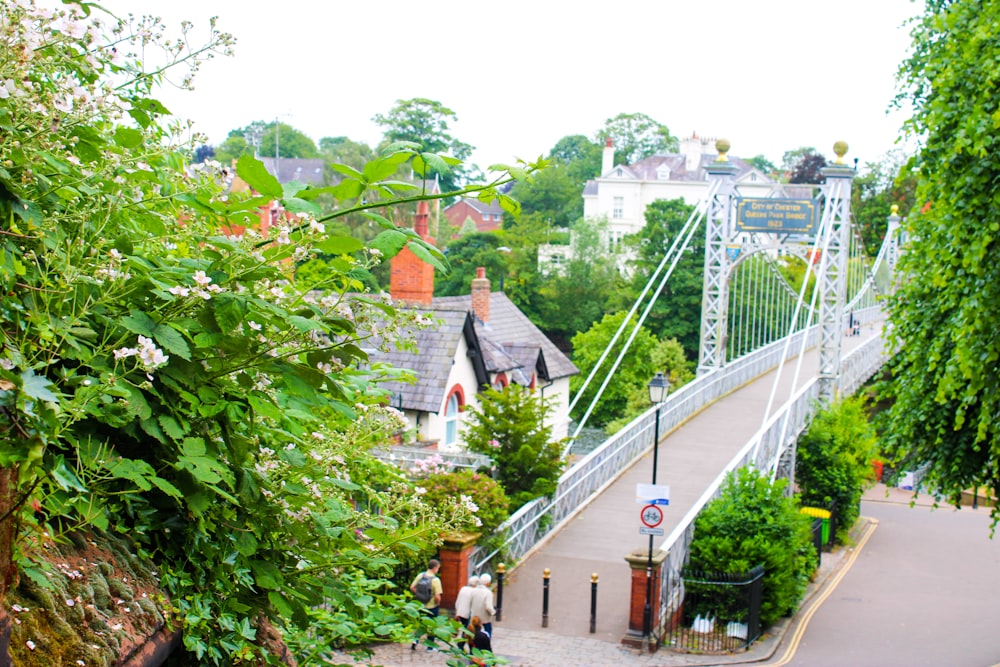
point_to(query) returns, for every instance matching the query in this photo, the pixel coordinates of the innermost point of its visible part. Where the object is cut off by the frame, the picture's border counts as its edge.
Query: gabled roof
(303, 170)
(509, 343)
(431, 364)
(508, 326)
(481, 207)
(646, 170)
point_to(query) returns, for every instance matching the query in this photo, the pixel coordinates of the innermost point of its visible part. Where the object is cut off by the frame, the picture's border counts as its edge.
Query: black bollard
(500, 573)
(545, 597)
(593, 603)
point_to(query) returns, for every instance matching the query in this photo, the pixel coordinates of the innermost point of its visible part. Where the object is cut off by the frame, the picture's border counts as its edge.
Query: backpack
(423, 590)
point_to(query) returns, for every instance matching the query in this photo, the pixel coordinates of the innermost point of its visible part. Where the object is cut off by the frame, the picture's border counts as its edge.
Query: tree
(634, 372)
(943, 374)
(834, 460)
(580, 292)
(425, 122)
(161, 377)
(510, 427)
(261, 138)
(464, 255)
(677, 311)
(552, 194)
(580, 156)
(763, 164)
(808, 169)
(874, 192)
(636, 136)
(345, 151)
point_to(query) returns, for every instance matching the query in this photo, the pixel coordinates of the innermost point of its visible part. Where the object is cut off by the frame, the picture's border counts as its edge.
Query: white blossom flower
(201, 278)
(30, 644)
(6, 364)
(179, 290)
(253, 325)
(124, 352)
(317, 227)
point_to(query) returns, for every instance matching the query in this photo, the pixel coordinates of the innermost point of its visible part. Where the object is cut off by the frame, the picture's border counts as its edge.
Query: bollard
(593, 603)
(500, 571)
(545, 597)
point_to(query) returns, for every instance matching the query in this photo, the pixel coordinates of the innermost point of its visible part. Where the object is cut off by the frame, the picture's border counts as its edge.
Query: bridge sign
(652, 494)
(778, 215)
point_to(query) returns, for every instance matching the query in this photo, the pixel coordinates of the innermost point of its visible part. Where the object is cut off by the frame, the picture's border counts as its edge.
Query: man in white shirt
(463, 605)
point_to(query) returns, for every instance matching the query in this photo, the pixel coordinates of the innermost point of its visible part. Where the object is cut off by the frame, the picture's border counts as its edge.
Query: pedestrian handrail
(764, 451)
(529, 525)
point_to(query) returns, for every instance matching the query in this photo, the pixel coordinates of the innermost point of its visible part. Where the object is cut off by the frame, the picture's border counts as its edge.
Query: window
(452, 415)
(663, 173)
(497, 216)
(618, 210)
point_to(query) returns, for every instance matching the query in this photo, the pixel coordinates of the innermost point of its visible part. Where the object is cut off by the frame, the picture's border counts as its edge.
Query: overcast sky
(770, 75)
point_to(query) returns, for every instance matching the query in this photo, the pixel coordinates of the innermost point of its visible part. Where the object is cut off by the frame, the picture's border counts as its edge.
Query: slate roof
(508, 343)
(645, 169)
(481, 207)
(303, 170)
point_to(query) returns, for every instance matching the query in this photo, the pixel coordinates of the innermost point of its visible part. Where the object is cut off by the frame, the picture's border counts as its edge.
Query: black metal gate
(720, 612)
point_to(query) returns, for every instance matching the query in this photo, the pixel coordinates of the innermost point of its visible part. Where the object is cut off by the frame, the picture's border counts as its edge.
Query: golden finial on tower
(722, 145)
(840, 148)
(895, 209)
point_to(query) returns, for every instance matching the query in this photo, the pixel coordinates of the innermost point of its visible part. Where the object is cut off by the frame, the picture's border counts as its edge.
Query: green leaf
(66, 478)
(37, 387)
(172, 341)
(280, 604)
(305, 324)
(425, 254)
(265, 574)
(127, 137)
(389, 243)
(138, 322)
(299, 206)
(229, 312)
(252, 170)
(340, 245)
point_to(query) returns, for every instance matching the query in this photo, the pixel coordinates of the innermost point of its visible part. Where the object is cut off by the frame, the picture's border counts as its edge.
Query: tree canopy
(636, 136)
(945, 379)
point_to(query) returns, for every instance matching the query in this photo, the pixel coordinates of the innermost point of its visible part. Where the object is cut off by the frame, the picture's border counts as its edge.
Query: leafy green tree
(426, 123)
(636, 136)
(580, 292)
(874, 192)
(464, 255)
(580, 156)
(667, 358)
(345, 151)
(763, 164)
(163, 378)
(944, 371)
(834, 460)
(487, 501)
(792, 158)
(752, 522)
(677, 312)
(510, 427)
(633, 374)
(552, 195)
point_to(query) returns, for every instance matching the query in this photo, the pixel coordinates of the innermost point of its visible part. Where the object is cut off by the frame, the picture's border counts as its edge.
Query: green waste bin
(820, 513)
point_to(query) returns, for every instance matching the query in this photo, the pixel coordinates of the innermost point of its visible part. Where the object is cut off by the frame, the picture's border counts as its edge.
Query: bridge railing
(763, 451)
(527, 528)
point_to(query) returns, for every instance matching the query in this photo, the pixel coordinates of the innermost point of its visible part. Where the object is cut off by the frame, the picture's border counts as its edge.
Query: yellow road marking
(803, 623)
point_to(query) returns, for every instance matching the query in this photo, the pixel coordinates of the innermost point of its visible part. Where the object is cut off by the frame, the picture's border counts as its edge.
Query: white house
(477, 341)
(622, 193)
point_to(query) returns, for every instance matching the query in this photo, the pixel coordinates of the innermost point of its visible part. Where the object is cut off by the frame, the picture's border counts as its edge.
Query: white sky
(770, 76)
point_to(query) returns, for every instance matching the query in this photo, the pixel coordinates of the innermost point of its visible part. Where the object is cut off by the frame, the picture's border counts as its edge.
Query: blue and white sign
(652, 494)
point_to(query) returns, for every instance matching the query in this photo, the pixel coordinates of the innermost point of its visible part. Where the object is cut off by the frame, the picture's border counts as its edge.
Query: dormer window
(618, 173)
(663, 173)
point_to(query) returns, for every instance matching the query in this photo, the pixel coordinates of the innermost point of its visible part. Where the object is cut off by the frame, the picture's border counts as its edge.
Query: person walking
(482, 603)
(463, 606)
(427, 589)
(480, 639)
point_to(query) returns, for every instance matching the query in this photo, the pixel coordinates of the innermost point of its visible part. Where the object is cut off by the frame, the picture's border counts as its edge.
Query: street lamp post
(659, 386)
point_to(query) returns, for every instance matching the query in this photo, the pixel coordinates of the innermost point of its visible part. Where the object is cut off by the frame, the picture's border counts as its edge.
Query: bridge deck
(604, 532)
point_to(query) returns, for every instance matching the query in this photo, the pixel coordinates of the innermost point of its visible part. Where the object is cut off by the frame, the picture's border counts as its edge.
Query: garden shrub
(833, 461)
(753, 523)
(483, 493)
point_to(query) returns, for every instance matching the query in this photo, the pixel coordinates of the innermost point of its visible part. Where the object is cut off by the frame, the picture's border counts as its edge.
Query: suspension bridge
(769, 356)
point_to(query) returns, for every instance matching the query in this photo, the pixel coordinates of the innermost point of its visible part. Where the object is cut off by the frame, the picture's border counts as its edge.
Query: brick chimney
(411, 280)
(481, 295)
(608, 157)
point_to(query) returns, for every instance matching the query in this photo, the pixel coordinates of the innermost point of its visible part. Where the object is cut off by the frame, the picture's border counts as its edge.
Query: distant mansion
(621, 193)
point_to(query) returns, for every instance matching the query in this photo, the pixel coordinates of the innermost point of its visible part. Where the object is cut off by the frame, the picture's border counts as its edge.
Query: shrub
(485, 494)
(833, 461)
(753, 523)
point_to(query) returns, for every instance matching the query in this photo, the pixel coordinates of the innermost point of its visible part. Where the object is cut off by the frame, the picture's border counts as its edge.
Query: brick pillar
(638, 561)
(454, 572)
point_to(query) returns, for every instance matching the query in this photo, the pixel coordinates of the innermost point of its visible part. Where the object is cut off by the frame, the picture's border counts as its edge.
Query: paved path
(599, 537)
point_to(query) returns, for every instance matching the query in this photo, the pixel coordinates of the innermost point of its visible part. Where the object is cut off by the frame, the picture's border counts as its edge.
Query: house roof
(303, 170)
(508, 343)
(481, 207)
(646, 170)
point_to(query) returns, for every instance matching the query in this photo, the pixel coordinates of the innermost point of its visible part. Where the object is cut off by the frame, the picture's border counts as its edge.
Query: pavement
(545, 648)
